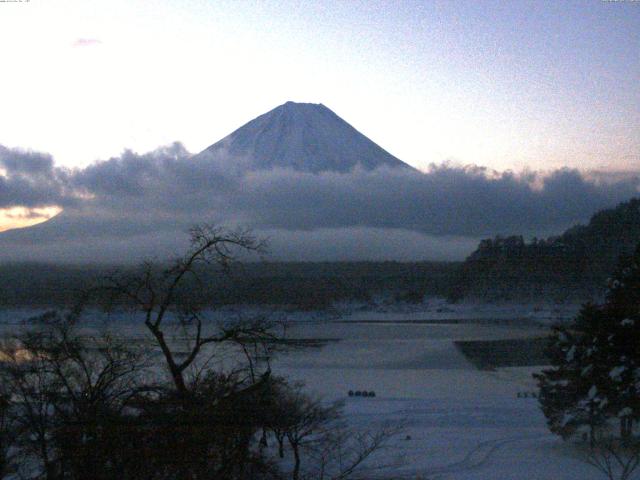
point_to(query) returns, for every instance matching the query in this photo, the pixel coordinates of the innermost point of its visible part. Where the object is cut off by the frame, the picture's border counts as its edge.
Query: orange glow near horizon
(20, 217)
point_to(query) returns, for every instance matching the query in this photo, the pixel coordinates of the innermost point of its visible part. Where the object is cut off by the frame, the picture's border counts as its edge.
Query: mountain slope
(305, 137)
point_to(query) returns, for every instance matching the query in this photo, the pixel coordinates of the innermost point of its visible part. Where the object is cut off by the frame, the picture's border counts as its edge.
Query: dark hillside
(572, 266)
(304, 285)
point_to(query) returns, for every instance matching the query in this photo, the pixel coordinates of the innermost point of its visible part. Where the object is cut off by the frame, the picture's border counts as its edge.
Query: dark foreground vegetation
(197, 401)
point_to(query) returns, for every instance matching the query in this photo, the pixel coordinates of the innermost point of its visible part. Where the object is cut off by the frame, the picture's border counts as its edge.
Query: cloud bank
(30, 179)
(141, 204)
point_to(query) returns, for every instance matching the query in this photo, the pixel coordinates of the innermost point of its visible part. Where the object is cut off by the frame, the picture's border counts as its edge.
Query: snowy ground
(462, 423)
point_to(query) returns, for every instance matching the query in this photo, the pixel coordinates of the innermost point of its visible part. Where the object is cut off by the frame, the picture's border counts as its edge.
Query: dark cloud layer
(158, 195)
(30, 179)
(445, 201)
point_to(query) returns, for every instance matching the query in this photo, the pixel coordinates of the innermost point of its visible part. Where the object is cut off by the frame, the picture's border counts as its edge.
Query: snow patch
(625, 412)
(615, 373)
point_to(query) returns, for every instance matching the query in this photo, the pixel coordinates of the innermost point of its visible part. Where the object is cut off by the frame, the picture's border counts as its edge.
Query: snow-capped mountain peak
(305, 137)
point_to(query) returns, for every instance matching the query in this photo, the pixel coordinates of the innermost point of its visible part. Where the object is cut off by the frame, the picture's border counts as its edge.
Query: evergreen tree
(595, 374)
(573, 392)
(622, 308)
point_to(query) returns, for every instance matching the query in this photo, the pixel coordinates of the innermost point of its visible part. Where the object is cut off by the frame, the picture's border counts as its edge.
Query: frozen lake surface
(463, 423)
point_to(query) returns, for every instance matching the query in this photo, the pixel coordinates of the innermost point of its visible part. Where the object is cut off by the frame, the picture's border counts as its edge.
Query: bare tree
(343, 451)
(299, 419)
(214, 413)
(67, 391)
(31, 389)
(160, 293)
(323, 446)
(615, 458)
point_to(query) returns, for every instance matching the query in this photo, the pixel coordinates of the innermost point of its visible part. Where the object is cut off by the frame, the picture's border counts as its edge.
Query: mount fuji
(305, 137)
(136, 204)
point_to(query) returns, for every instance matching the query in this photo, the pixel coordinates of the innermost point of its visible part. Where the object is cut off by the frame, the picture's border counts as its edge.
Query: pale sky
(508, 85)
